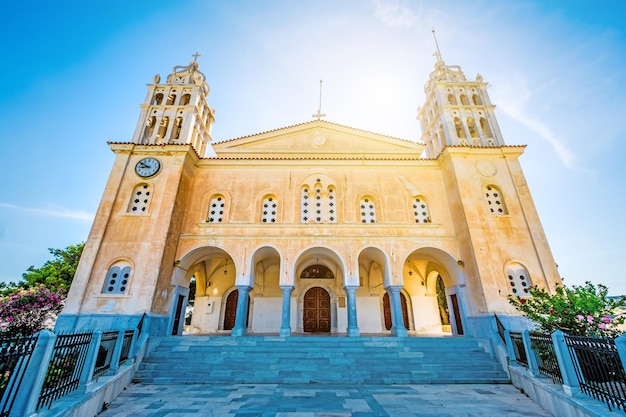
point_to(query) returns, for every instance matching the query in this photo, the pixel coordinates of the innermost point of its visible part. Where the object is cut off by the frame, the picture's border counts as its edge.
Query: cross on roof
(195, 56)
(319, 113)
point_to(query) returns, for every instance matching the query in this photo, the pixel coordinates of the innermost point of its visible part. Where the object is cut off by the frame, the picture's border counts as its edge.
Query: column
(397, 320)
(353, 328)
(571, 386)
(285, 328)
(242, 311)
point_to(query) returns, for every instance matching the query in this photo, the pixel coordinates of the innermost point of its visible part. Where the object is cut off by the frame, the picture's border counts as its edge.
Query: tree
(57, 273)
(33, 303)
(579, 311)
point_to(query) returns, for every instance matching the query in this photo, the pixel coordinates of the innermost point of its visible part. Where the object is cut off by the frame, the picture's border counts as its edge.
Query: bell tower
(456, 111)
(177, 111)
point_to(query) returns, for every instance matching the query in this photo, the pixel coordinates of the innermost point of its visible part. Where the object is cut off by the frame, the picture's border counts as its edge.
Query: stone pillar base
(354, 332)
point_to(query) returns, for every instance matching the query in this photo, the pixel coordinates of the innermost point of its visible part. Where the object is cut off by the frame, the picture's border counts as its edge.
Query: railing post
(531, 358)
(133, 342)
(571, 386)
(117, 353)
(90, 361)
(509, 347)
(620, 344)
(27, 395)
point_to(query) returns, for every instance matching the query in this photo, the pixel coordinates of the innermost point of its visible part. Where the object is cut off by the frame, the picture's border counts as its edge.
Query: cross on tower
(319, 113)
(195, 56)
(438, 53)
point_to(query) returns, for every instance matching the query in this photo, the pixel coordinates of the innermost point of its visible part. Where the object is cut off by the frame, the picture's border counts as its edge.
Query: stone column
(353, 328)
(242, 311)
(397, 328)
(285, 328)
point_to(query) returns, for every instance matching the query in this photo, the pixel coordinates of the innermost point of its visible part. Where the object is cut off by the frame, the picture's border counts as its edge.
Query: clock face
(147, 167)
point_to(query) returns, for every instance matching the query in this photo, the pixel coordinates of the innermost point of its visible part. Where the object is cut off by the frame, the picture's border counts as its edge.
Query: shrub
(29, 310)
(578, 311)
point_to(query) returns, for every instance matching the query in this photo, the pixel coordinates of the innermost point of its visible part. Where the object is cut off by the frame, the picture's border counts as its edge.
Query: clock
(147, 167)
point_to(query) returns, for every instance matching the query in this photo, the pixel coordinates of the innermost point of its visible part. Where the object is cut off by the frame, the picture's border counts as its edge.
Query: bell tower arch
(457, 111)
(177, 111)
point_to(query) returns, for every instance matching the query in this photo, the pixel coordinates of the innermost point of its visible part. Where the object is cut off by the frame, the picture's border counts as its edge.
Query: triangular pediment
(317, 139)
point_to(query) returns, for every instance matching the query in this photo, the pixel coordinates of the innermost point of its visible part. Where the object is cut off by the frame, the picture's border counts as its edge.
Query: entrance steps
(318, 360)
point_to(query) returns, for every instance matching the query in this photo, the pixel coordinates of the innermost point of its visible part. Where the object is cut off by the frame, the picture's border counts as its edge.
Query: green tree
(579, 311)
(57, 273)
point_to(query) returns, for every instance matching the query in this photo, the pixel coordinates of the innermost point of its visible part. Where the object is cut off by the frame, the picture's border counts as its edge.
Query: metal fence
(543, 349)
(15, 354)
(599, 370)
(518, 348)
(65, 368)
(126, 344)
(105, 353)
(500, 328)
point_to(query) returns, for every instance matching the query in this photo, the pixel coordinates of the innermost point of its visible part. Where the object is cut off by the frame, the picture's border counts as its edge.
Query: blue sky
(74, 76)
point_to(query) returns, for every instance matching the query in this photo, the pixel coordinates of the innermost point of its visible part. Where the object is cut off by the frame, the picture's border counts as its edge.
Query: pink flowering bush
(578, 311)
(29, 310)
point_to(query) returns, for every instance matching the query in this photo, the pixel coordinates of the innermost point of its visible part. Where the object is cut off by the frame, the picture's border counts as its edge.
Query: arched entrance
(316, 313)
(230, 311)
(387, 311)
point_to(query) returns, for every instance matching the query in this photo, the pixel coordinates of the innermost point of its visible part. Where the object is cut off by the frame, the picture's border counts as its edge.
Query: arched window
(318, 203)
(331, 205)
(495, 200)
(163, 127)
(476, 100)
(158, 99)
(171, 99)
(484, 126)
(367, 209)
(269, 210)
(140, 199)
(472, 127)
(451, 99)
(185, 99)
(216, 209)
(178, 124)
(117, 279)
(305, 205)
(420, 210)
(464, 99)
(460, 132)
(519, 281)
(149, 129)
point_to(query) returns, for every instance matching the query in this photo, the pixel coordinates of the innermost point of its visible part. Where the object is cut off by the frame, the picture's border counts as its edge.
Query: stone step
(310, 359)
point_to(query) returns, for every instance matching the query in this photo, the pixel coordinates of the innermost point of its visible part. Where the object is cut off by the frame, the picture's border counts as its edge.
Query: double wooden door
(230, 311)
(316, 311)
(387, 311)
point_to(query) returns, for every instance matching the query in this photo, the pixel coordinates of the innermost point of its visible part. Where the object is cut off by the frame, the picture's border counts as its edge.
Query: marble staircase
(318, 360)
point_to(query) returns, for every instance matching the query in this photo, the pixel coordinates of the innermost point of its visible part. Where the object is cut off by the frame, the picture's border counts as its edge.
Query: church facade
(312, 228)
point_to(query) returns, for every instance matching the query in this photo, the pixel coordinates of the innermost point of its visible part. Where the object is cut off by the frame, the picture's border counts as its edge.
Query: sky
(74, 77)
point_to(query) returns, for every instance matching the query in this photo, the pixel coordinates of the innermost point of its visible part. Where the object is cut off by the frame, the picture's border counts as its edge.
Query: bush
(29, 311)
(578, 311)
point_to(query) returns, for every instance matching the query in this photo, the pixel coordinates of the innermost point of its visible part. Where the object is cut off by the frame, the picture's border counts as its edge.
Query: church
(316, 228)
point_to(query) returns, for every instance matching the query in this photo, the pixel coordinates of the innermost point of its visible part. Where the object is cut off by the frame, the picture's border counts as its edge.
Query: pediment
(317, 139)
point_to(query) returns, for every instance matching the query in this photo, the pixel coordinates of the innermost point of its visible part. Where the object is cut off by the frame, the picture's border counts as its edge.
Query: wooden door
(178, 315)
(316, 311)
(456, 313)
(230, 312)
(387, 311)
